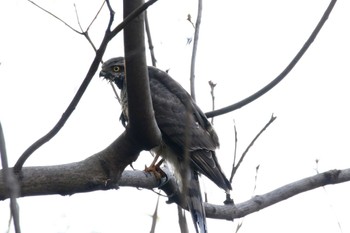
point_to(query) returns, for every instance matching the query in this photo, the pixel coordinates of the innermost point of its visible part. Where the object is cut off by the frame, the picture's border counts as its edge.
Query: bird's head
(113, 70)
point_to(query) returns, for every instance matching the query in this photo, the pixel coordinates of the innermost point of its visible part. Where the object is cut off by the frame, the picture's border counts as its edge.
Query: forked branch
(109, 34)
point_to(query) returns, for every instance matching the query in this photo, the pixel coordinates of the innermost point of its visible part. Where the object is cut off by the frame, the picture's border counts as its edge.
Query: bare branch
(235, 150)
(260, 202)
(329, 201)
(141, 121)
(10, 182)
(91, 72)
(256, 178)
(194, 51)
(111, 16)
(212, 87)
(86, 32)
(281, 76)
(82, 32)
(235, 167)
(96, 173)
(53, 15)
(98, 12)
(155, 217)
(150, 43)
(115, 92)
(189, 19)
(77, 15)
(93, 68)
(131, 16)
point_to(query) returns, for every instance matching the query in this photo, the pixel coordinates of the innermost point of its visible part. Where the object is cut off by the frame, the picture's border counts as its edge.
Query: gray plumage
(184, 127)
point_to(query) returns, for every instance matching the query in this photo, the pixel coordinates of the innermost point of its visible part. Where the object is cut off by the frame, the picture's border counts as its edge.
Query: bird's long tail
(195, 203)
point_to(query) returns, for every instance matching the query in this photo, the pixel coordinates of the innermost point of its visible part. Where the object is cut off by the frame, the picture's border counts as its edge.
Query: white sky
(243, 46)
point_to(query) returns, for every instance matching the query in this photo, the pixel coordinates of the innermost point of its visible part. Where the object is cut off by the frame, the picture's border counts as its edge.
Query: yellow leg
(155, 167)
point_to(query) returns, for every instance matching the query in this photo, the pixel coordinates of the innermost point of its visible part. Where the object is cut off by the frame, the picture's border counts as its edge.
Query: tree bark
(101, 172)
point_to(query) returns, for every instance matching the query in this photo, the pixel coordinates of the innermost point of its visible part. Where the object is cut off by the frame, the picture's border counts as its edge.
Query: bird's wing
(184, 125)
(177, 115)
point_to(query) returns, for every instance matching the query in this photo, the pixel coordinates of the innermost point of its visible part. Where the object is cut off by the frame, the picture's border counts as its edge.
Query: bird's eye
(116, 68)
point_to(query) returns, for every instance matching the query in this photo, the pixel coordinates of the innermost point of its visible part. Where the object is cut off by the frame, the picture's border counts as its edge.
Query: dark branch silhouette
(53, 15)
(281, 76)
(92, 70)
(150, 43)
(234, 166)
(141, 122)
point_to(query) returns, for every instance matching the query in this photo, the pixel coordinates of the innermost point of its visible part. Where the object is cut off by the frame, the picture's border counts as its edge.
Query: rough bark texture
(90, 175)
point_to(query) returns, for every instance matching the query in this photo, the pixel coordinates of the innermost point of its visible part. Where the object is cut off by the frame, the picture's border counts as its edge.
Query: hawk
(185, 131)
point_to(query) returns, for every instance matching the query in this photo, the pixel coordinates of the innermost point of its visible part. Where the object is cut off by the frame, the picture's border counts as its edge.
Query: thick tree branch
(142, 123)
(101, 172)
(281, 76)
(260, 202)
(98, 172)
(131, 16)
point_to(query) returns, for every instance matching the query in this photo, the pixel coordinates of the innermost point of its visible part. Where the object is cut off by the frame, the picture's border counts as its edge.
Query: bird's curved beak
(102, 73)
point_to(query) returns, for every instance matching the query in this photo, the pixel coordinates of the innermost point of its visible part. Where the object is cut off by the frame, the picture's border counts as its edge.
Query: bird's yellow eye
(116, 68)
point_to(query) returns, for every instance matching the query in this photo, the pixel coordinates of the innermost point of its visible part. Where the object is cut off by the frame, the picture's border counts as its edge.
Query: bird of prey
(185, 131)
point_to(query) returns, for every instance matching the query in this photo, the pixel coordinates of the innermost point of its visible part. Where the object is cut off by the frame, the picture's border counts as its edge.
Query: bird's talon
(156, 171)
(229, 200)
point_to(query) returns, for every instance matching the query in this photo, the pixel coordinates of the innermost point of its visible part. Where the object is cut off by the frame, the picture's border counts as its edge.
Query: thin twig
(283, 74)
(189, 19)
(239, 225)
(98, 12)
(11, 183)
(212, 87)
(155, 216)
(76, 14)
(82, 32)
(235, 168)
(256, 178)
(194, 50)
(58, 18)
(235, 150)
(115, 92)
(86, 32)
(150, 43)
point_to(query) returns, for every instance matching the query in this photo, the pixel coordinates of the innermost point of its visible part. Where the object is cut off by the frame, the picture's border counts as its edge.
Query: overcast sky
(243, 45)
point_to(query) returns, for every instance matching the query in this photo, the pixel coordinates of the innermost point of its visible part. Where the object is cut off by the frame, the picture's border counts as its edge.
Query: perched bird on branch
(188, 139)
